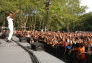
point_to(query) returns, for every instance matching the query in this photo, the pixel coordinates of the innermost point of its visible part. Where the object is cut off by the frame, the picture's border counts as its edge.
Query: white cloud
(88, 3)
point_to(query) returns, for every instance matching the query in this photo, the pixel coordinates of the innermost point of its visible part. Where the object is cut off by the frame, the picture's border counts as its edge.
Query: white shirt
(10, 22)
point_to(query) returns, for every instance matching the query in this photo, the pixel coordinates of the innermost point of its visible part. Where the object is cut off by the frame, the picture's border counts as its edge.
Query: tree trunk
(68, 28)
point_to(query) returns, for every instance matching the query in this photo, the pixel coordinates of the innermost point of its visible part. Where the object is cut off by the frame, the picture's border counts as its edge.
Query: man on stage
(10, 25)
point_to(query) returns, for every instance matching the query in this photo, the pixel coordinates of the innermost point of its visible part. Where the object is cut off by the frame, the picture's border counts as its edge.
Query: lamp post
(47, 5)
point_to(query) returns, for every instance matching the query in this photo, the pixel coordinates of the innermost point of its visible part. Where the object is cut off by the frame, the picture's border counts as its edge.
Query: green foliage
(86, 22)
(33, 13)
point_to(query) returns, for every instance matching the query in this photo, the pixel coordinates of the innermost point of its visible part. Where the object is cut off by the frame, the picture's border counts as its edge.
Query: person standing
(10, 25)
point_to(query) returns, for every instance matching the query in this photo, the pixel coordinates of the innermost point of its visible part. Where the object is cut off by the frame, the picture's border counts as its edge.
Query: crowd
(74, 47)
(55, 38)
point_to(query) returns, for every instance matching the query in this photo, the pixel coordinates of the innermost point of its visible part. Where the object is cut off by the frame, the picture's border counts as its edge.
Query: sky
(88, 3)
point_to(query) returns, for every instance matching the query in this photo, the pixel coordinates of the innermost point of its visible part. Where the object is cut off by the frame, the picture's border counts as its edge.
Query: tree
(33, 14)
(86, 22)
(65, 12)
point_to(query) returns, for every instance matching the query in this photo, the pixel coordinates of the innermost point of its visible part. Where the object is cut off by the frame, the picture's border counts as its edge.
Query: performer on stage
(10, 18)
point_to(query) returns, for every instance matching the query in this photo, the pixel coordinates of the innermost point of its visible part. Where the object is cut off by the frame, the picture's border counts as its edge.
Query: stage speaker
(37, 46)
